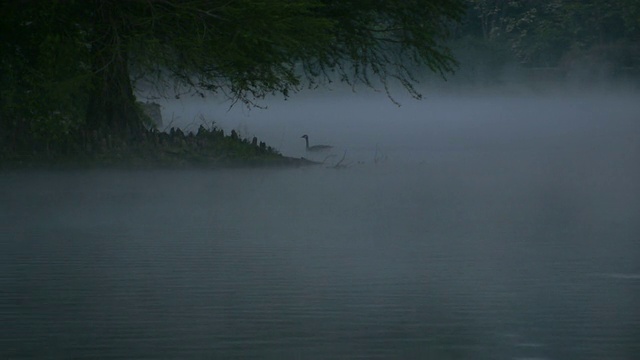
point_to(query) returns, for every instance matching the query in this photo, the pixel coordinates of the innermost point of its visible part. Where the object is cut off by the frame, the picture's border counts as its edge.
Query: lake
(517, 245)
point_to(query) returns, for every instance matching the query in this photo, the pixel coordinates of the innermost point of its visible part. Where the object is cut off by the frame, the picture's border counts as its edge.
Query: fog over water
(502, 225)
(464, 121)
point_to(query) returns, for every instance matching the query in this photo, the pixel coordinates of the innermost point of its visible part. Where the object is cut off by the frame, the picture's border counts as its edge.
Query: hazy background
(545, 118)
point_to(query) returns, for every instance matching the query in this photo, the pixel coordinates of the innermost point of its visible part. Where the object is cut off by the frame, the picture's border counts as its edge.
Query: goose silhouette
(315, 148)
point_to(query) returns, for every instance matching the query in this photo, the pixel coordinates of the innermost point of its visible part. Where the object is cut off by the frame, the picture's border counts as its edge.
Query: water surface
(525, 248)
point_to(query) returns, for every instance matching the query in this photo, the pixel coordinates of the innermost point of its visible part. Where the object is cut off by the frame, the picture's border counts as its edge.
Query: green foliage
(44, 83)
(247, 49)
(69, 65)
(557, 32)
(375, 41)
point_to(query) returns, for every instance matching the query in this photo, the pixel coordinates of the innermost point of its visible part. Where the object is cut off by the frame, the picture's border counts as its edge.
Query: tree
(43, 72)
(547, 33)
(245, 49)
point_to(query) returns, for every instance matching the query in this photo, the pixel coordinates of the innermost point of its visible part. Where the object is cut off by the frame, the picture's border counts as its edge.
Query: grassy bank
(205, 148)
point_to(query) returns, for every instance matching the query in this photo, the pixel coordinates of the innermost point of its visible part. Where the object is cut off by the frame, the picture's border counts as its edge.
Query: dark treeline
(69, 69)
(597, 38)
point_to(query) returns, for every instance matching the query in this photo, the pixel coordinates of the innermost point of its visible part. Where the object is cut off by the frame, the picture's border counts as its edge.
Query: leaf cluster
(248, 49)
(45, 77)
(548, 33)
(69, 64)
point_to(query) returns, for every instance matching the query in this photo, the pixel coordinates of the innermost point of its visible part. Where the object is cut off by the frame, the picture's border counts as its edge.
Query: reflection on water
(473, 259)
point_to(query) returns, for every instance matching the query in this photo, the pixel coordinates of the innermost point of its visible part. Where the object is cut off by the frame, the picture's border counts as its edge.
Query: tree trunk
(112, 109)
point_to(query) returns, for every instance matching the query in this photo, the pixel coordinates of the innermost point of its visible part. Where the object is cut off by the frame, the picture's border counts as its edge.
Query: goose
(315, 148)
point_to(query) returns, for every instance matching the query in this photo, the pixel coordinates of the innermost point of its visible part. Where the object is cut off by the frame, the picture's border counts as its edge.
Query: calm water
(448, 260)
(518, 245)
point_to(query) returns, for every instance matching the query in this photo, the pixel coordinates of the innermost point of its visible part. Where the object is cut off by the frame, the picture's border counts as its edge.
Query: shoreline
(206, 149)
